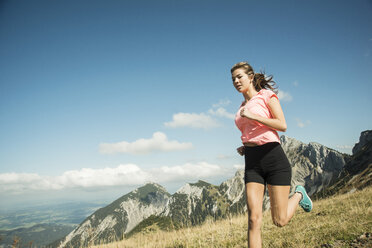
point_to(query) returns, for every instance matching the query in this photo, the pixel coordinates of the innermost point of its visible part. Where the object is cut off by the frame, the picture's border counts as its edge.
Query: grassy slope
(336, 221)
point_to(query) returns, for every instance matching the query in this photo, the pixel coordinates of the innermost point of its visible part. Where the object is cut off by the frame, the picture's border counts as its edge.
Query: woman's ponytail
(260, 81)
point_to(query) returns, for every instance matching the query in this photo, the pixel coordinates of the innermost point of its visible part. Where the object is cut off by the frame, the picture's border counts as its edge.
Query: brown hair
(259, 79)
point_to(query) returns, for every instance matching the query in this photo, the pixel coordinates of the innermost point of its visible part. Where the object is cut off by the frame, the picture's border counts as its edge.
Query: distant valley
(42, 224)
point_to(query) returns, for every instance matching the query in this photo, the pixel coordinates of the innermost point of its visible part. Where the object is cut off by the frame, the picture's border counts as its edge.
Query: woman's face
(241, 80)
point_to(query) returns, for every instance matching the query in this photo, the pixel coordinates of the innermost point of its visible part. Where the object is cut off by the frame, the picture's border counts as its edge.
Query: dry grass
(335, 221)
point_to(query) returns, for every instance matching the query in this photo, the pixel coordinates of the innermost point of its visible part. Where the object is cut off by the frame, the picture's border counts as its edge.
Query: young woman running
(259, 118)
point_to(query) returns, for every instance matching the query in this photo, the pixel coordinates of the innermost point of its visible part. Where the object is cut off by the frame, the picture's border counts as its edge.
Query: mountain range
(320, 169)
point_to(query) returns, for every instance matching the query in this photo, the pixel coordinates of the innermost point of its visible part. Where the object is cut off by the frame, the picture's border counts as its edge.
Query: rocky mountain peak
(193, 189)
(365, 138)
(152, 187)
(313, 165)
(357, 172)
(233, 188)
(119, 217)
(289, 142)
(201, 184)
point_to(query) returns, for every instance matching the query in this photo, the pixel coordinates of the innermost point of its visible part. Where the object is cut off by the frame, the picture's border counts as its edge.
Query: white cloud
(221, 103)
(223, 156)
(221, 112)
(202, 120)
(192, 120)
(239, 166)
(284, 96)
(18, 182)
(187, 171)
(122, 175)
(301, 123)
(158, 142)
(128, 174)
(344, 147)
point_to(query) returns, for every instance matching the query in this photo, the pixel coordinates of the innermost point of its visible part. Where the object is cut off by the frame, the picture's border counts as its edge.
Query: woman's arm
(278, 120)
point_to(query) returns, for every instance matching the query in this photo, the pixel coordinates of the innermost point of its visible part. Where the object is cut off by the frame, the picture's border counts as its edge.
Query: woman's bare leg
(255, 193)
(282, 208)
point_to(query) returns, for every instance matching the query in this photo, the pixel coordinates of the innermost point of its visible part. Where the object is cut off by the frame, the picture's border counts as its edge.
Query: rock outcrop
(364, 139)
(193, 203)
(357, 172)
(234, 191)
(313, 165)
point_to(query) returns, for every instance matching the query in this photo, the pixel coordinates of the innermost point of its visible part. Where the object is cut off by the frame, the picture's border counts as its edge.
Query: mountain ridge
(313, 165)
(356, 174)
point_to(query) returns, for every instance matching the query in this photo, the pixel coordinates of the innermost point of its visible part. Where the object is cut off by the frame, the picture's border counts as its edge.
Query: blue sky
(103, 96)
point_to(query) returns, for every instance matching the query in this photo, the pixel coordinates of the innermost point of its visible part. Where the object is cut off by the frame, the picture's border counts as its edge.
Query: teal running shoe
(305, 202)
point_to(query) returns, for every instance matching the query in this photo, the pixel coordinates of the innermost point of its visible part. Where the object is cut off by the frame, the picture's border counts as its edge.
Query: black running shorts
(267, 164)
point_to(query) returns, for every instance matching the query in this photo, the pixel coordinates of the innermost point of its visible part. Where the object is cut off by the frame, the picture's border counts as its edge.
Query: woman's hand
(241, 150)
(278, 120)
(246, 113)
